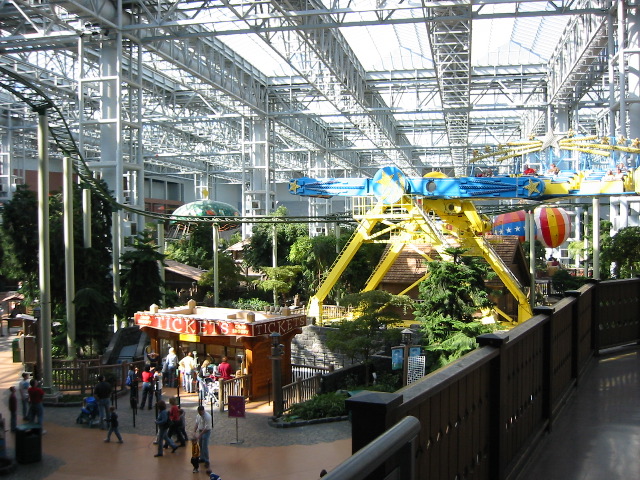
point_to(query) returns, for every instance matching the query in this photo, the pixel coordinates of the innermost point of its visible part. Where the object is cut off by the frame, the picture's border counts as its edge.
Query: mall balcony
(556, 397)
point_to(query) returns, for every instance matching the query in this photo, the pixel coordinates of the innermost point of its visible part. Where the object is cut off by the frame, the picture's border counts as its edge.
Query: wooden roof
(410, 266)
(183, 270)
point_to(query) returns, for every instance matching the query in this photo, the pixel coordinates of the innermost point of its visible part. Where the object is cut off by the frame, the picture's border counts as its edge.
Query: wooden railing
(81, 376)
(238, 386)
(483, 415)
(300, 391)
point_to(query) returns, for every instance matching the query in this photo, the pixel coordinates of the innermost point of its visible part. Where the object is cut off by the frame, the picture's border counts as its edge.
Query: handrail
(401, 438)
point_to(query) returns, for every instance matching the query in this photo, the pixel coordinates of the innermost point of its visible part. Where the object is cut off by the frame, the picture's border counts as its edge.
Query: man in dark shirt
(102, 392)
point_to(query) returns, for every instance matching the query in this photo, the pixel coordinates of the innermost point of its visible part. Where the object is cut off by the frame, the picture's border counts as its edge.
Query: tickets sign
(205, 327)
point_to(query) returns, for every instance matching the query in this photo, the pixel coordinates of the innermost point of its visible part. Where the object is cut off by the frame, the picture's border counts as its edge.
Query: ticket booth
(240, 335)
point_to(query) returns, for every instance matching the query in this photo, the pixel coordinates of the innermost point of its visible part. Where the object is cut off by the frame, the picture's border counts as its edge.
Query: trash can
(15, 348)
(28, 443)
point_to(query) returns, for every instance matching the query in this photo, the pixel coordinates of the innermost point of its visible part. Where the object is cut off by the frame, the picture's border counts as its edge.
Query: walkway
(597, 435)
(74, 452)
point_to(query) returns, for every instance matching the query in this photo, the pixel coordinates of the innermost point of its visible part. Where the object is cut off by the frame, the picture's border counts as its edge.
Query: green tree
(371, 328)
(258, 253)
(315, 255)
(92, 265)
(451, 296)
(229, 274)
(280, 280)
(140, 280)
(623, 252)
(579, 251)
(20, 239)
(194, 249)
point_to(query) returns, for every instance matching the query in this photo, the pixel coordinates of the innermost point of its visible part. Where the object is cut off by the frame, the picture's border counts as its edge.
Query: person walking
(203, 433)
(23, 389)
(113, 425)
(147, 387)
(102, 393)
(174, 422)
(162, 421)
(13, 408)
(36, 395)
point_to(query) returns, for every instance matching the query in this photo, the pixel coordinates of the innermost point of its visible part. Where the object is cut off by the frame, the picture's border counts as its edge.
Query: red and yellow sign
(205, 327)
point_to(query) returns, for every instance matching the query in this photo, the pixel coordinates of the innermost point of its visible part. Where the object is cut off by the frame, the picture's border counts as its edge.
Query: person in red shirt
(147, 386)
(224, 369)
(36, 395)
(528, 170)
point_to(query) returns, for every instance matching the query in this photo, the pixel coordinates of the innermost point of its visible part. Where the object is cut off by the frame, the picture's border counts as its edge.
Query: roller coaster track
(29, 93)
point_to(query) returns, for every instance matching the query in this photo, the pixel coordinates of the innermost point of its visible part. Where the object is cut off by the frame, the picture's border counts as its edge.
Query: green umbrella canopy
(207, 208)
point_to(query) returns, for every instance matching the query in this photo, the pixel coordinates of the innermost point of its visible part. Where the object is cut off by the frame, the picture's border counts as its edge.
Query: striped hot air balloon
(553, 225)
(512, 223)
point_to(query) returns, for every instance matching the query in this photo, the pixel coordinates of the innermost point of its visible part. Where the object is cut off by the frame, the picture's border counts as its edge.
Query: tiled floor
(597, 436)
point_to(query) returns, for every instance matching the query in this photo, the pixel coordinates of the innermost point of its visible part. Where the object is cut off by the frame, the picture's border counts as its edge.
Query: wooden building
(243, 336)
(410, 267)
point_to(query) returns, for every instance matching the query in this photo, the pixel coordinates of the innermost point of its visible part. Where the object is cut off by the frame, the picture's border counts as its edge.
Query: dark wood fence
(482, 416)
(81, 376)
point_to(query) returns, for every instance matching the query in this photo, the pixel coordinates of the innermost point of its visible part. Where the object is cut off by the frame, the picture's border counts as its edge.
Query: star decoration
(293, 186)
(532, 187)
(622, 140)
(636, 143)
(551, 140)
(604, 140)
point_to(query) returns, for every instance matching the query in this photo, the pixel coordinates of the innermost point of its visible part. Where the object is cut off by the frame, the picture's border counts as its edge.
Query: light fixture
(406, 336)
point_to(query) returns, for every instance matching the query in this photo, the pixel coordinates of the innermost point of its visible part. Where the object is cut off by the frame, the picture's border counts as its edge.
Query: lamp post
(406, 342)
(276, 372)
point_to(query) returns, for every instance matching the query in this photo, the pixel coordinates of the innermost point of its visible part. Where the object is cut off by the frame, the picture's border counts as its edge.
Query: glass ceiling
(405, 46)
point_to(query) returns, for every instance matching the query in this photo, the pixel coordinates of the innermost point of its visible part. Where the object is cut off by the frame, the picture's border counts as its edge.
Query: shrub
(321, 406)
(563, 281)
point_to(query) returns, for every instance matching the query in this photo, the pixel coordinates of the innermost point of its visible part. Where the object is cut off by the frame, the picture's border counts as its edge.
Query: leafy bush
(563, 281)
(254, 304)
(321, 406)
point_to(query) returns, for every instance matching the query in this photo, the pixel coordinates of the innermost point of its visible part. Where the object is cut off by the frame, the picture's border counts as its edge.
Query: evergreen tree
(140, 280)
(451, 296)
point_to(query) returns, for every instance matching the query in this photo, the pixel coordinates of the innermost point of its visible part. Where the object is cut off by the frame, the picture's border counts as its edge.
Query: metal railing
(300, 372)
(300, 391)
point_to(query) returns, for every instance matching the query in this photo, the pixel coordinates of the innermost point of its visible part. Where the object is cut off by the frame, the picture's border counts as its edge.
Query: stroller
(209, 389)
(89, 412)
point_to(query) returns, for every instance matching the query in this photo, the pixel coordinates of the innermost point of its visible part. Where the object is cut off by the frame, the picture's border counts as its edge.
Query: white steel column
(69, 264)
(44, 274)
(596, 238)
(633, 77)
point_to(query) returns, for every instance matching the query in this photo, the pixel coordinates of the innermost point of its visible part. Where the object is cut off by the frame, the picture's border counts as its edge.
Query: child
(13, 407)
(113, 425)
(182, 427)
(195, 454)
